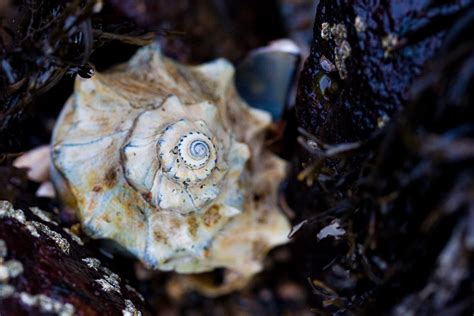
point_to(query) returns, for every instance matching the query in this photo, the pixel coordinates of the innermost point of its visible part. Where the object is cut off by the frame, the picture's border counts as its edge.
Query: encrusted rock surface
(45, 269)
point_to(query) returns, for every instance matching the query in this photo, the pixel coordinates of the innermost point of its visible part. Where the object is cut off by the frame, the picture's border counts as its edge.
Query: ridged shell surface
(168, 162)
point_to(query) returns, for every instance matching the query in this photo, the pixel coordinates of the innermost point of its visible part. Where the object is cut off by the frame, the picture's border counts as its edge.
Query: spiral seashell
(168, 162)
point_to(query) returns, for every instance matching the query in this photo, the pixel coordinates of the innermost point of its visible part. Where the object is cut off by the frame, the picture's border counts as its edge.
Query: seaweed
(46, 41)
(43, 43)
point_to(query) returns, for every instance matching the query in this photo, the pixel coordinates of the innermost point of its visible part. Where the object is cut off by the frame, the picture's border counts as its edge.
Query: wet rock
(376, 51)
(45, 269)
(385, 110)
(363, 61)
(197, 31)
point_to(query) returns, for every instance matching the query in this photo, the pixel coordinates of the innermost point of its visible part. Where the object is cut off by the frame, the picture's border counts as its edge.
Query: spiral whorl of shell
(168, 162)
(178, 162)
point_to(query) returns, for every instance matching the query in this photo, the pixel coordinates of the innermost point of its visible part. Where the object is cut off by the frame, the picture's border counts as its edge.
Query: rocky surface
(364, 59)
(45, 269)
(385, 123)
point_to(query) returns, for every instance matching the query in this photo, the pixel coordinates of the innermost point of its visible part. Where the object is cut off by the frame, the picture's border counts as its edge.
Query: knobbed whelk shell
(167, 161)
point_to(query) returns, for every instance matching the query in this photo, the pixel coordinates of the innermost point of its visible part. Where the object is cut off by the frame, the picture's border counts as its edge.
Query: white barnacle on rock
(325, 31)
(107, 286)
(34, 227)
(6, 291)
(7, 210)
(342, 49)
(4, 275)
(165, 160)
(110, 281)
(111, 277)
(389, 43)
(46, 304)
(59, 240)
(73, 236)
(14, 268)
(42, 215)
(92, 263)
(359, 24)
(338, 32)
(130, 309)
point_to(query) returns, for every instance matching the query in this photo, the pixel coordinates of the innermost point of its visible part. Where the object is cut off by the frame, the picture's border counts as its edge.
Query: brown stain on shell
(110, 177)
(192, 225)
(212, 216)
(106, 218)
(160, 237)
(97, 188)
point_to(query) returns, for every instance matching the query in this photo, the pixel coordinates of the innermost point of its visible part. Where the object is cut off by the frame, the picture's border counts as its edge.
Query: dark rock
(364, 57)
(45, 269)
(386, 149)
(197, 31)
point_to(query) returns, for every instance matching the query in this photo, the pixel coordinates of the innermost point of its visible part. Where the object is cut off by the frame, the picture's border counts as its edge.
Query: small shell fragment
(37, 161)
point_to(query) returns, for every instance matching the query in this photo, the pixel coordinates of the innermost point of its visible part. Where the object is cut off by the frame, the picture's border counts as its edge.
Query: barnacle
(167, 161)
